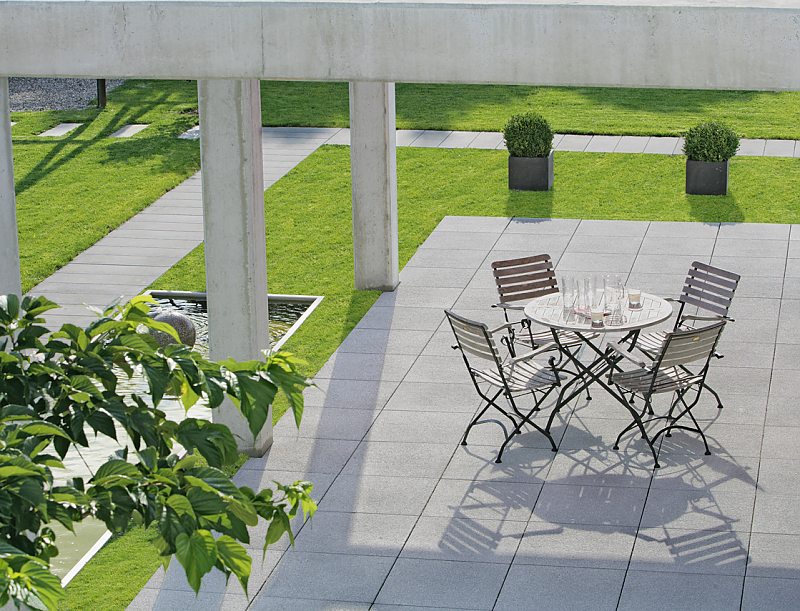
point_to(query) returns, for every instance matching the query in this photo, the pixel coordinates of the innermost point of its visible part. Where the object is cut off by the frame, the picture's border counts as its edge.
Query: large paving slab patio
(409, 519)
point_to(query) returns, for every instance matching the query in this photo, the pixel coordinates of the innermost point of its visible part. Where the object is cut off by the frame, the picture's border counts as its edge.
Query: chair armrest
(529, 355)
(695, 317)
(505, 325)
(508, 306)
(627, 355)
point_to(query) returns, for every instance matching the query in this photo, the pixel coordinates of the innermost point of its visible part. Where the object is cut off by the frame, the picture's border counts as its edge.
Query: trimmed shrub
(528, 135)
(710, 142)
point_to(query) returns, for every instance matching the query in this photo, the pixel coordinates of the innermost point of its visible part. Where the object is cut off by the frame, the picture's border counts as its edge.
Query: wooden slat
(520, 261)
(538, 268)
(701, 277)
(705, 305)
(526, 296)
(717, 271)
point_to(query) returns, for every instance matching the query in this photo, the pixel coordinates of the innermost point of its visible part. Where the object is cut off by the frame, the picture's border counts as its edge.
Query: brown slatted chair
(706, 288)
(493, 377)
(668, 372)
(519, 281)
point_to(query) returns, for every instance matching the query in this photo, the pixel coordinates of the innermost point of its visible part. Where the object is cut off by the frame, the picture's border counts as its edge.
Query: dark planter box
(530, 173)
(706, 177)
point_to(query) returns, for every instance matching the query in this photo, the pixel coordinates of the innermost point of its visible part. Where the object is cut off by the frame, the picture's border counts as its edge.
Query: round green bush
(710, 142)
(528, 135)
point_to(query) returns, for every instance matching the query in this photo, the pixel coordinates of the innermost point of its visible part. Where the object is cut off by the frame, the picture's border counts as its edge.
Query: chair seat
(667, 380)
(521, 376)
(567, 338)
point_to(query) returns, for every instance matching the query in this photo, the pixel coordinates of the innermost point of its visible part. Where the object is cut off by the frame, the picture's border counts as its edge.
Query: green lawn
(71, 191)
(576, 110)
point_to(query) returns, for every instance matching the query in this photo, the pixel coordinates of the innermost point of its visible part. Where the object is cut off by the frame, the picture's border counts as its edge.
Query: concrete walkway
(132, 257)
(409, 519)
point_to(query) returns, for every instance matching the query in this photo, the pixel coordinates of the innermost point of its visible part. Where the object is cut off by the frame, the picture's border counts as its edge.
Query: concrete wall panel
(668, 44)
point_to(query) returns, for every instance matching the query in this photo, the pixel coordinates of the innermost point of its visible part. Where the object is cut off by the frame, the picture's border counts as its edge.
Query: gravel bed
(54, 93)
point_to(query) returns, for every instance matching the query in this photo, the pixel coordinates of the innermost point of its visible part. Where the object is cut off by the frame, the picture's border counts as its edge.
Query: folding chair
(520, 280)
(706, 288)
(515, 377)
(668, 372)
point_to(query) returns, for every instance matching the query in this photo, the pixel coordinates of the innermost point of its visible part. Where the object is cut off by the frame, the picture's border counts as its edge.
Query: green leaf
(206, 502)
(234, 556)
(213, 441)
(181, 505)
(9, 304)
(197, 554)
(43, 429)
(115, 470)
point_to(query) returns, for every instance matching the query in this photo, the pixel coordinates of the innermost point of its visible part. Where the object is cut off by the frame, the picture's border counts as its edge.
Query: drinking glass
(568, 295)
(634, 298)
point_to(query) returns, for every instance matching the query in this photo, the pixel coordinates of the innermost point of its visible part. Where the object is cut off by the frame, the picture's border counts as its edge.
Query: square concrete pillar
(9, 245)
(373, 172)
(235, 244)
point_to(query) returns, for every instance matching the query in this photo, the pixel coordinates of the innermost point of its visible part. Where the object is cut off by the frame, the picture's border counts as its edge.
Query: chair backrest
(525, 278)
(709, 288)
(474, 339)
(684, 347)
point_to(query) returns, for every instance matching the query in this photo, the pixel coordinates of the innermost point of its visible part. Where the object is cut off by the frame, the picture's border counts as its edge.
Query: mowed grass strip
(572, 110)
(73, 190)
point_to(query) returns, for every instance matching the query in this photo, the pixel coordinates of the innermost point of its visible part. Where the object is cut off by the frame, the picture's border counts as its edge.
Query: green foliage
(528, 135)
(54, 390)
(710, 142)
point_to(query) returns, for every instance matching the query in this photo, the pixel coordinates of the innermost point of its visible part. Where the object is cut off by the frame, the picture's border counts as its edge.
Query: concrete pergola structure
(229, 46)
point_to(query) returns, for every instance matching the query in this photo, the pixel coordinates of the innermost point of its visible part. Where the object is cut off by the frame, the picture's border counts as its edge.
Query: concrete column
(373, 172)
(235, 245)
(9, 246)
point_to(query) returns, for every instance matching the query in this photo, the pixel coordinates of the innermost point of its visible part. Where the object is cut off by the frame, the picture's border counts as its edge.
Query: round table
(549, 311)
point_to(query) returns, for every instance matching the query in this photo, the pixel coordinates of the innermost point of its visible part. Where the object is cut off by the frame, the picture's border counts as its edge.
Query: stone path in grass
(132, 257)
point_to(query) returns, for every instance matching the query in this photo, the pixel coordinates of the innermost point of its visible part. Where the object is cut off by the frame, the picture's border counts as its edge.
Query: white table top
(549, 311)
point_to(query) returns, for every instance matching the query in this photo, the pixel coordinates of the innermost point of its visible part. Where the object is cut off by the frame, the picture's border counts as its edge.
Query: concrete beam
(727, 44)
(9, 245)
(235, 244)
(373, 175)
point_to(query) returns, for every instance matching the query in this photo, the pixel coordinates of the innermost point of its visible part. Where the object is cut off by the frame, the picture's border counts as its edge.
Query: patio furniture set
(554, 332)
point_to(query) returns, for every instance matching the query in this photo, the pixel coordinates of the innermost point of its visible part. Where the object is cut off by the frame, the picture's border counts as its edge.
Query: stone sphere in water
(181, 323)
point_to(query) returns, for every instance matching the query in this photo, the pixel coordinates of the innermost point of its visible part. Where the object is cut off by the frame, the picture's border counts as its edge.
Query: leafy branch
(55, 388)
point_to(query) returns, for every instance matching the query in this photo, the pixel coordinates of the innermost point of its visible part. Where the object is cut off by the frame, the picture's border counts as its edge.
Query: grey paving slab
(779, 148)
(602, 144)
(458, 139)
(751, 147)
(754, 231)
(378, 494)
(62, 129)
(662, 591)
(129, 130)
(662, 146)
(632, 144)
(560, 588)
(406, 137)
(414, 581)
(762, 593)
(573, 142)
(430, 138)
(487, 140)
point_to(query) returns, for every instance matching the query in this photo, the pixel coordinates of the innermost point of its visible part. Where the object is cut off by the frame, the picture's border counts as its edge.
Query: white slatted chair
(493, 377)
(706, 288)
(667, 372)
(520, 280)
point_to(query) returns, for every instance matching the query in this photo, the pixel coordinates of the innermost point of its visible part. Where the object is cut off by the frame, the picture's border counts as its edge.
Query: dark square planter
(530, 173)
(706, 177)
